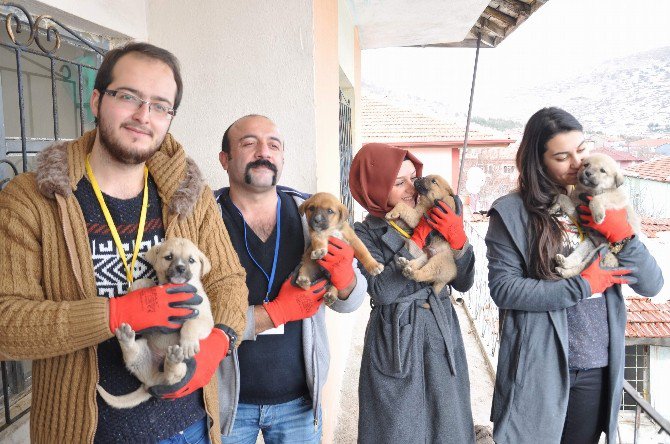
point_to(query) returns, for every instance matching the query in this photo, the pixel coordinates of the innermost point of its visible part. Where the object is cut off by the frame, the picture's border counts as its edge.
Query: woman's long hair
(538, 190)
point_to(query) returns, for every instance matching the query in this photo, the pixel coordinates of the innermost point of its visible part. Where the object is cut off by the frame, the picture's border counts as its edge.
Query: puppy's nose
(180, 268)
(587, 173)
(318, 218)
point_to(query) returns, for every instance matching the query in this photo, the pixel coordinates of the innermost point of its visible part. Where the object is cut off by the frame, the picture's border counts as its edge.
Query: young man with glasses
(73, 236)
(280, 369)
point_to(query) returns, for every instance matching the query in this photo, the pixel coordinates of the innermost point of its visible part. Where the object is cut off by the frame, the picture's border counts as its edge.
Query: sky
(563, 38)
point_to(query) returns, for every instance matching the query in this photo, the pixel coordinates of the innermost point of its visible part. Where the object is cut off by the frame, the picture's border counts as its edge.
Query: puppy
(176, 261)
(326, 216)
(600, 177)
(436, 264)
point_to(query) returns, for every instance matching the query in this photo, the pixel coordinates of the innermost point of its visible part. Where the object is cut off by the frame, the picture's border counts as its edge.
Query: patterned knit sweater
(49, 309)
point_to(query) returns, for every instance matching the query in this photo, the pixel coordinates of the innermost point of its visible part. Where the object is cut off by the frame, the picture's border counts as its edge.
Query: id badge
(273, 331)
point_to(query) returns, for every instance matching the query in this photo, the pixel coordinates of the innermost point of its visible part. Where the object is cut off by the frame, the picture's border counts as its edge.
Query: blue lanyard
(270, 278)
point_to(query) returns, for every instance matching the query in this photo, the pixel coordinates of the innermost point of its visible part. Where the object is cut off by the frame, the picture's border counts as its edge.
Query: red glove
(615, 227)
(293, 303)
(338, 263)
(201, 367)
(600, 279)
(164, 308)
(421, 232)
(449, 222)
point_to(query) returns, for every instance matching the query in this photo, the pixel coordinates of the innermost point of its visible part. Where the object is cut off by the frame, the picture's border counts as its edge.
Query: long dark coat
(532, 381)
(414, 384)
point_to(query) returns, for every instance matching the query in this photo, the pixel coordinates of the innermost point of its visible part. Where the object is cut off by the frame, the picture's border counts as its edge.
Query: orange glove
(600, 279)
(615, 227)
(421, 232)
(164, 308)
(293, 303)
(338, 262)
(201, 367)
(448, 222)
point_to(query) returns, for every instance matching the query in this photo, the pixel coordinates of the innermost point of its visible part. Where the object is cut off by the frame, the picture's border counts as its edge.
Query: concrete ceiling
(392, 23)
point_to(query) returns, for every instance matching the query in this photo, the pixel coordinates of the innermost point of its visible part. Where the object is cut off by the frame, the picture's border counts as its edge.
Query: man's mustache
(260, 163)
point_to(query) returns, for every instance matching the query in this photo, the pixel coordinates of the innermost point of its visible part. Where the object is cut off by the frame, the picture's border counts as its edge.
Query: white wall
(238, 58)
(118, 18)
(659, 385)
(435, 161)
(346, 41)
(649, 197)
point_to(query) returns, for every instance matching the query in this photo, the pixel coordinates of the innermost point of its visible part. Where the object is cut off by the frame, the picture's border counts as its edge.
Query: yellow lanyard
(579, 229)
(398, 229)
(110, 222)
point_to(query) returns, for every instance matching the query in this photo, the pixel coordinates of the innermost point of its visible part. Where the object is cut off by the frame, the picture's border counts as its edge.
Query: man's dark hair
(225, 142)
(104, 76)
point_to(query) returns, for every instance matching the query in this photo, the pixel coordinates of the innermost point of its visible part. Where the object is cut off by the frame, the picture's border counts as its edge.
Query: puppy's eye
(330, 211)
(168, 257)
(602, 170)
(311, 208)
(434, 181)
(191, 260)
(586, 165)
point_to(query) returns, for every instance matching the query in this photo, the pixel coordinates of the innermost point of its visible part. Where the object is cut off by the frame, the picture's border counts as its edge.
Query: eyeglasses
(132, 102)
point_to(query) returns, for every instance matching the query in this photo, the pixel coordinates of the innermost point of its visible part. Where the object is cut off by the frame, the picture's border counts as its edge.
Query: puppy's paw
(402, 262)
(125, 334)
(393, 214)
(598, 217)
(175, 354)
(560, 260)
(318, 254)
(329, 298)
(374, 268)
(408, 272)
(303, 282)
(190, 347)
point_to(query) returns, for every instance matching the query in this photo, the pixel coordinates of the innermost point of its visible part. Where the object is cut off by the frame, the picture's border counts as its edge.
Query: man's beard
(258, 163)
(121, 153)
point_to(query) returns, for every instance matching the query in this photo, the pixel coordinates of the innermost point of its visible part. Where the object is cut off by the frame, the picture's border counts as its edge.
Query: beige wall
(240, 58)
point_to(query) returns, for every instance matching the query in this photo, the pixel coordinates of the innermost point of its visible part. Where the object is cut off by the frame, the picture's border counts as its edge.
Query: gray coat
(414, 384)
(532, 383)
(314, 345)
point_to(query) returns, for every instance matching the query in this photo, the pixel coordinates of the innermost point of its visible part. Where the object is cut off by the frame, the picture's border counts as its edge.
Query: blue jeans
(196, 433)
(290, 422)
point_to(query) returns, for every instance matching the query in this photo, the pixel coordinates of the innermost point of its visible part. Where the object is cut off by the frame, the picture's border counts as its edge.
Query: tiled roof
(646, 319)
(657, 169)
(653, 225)
(385, 122)
(619, 156)
(650, 143)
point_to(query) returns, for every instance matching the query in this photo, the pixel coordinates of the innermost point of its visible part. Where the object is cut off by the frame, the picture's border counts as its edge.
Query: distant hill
(629, 96)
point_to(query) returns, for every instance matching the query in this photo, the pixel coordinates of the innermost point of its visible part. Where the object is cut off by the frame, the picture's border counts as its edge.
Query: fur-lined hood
(61, 166)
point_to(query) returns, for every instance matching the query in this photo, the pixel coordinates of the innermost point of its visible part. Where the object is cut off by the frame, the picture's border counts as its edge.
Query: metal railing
(643, 406)
(23, 31)
(346, 154)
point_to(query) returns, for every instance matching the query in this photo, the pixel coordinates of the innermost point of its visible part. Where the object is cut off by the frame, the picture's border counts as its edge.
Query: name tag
(273, 331)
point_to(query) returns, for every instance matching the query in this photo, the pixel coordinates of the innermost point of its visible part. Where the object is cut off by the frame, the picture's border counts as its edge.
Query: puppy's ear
(151, 256)
(205, 264)
(618, 178)
(344, 213)
(303, 207)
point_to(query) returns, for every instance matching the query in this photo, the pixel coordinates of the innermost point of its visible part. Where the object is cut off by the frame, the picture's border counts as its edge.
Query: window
(636, 372)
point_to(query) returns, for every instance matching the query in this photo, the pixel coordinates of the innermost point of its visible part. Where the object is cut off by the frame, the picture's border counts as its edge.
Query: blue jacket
(530, 398)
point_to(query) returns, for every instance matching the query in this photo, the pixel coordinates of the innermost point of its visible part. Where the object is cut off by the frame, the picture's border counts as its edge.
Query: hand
(600, 279)
(421, 232)
(338, 262)
(448, 222)
(615, 227)
(200, 368)
(293, 303)
(164, 308)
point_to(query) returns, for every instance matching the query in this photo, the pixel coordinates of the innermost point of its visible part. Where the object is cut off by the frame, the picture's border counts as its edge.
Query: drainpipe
(467, 125)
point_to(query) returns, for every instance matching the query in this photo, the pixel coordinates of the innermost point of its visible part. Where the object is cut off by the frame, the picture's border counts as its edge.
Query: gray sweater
(530, 398)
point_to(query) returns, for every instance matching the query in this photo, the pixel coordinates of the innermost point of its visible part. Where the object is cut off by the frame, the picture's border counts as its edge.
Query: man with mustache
(283, 361)
(73, 237)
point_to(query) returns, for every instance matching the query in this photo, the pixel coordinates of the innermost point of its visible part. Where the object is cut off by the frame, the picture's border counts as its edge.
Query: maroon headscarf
(373, 173)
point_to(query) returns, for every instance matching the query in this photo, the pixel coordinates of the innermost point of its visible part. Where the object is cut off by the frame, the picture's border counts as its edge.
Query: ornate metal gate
(346, 154)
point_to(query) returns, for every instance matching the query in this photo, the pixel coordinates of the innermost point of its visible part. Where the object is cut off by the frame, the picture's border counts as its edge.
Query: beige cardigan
(49, 308)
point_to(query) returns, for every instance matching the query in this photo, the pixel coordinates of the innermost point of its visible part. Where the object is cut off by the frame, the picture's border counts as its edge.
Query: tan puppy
(436, 264)
(176, 261)
(600, 177)
(326, 216)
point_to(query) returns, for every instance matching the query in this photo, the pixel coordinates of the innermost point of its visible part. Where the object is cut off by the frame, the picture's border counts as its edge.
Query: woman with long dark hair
(561, 360)
(413, 385)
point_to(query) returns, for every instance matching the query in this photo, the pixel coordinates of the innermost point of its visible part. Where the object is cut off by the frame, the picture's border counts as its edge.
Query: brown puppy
(436, 264)
(176, 261)
(599, 176)
(326, 216)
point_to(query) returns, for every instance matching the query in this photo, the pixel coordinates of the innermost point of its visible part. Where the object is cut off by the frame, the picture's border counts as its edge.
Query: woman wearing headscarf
(414, 384)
